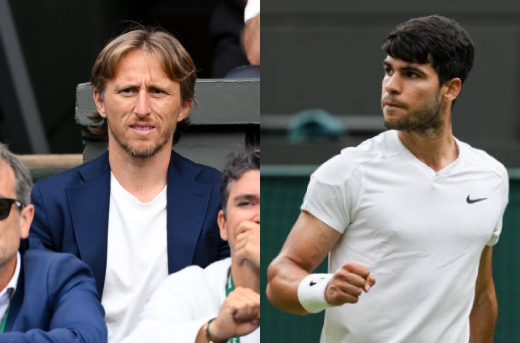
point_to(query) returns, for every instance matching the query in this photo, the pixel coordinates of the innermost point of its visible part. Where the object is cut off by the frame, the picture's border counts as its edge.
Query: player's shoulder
(350, 159)
(482, 160)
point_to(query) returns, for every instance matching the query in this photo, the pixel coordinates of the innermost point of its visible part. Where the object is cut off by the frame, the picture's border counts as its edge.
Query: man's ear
(452, 88)
(184, 110)
(100, 103)
(26, 217)
(222, 225)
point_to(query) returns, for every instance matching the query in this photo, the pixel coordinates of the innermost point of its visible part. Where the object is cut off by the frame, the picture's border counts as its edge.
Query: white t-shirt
(420, 232)
(184, 302)
(137, 258)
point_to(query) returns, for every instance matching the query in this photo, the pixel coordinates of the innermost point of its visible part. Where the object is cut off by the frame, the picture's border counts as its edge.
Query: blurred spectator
(225, 27)
(251, 34)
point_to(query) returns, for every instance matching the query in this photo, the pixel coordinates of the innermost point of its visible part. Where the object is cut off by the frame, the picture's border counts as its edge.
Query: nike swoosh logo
(472, 201)
(312, 283)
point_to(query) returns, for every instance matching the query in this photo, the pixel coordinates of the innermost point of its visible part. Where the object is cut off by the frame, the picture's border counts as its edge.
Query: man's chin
(393, 124)
(145, 150)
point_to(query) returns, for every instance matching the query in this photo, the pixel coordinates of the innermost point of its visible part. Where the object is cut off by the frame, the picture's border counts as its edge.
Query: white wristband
(311, 292)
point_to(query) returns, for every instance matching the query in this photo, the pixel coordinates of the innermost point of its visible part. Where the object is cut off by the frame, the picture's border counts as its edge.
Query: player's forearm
(483, 317)
(283, 279)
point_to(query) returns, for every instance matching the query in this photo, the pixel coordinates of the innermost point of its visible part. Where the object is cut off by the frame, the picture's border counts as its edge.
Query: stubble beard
(141, 153)
(424, 120)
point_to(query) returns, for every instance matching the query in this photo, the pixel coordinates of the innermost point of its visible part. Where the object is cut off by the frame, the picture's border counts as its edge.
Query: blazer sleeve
(74, 306)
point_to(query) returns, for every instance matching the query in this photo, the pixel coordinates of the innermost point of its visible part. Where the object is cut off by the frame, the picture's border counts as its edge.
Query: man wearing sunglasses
(44, 296)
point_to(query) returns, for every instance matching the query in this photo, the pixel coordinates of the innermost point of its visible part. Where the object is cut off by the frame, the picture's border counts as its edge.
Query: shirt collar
(8, 292)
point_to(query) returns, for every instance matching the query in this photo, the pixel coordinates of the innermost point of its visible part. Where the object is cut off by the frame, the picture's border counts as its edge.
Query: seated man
(140, 211)
(45, 296)
(222, 301)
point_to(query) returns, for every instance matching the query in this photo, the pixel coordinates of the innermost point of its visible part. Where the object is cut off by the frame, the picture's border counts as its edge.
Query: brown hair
(175, 60)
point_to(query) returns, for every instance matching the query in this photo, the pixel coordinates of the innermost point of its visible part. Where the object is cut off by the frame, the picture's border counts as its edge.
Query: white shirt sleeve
(504, 196)
(178, 308)
(327, 196)
(252, 9)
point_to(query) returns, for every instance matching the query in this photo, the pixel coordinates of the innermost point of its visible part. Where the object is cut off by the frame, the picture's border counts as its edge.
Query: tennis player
(413, 208)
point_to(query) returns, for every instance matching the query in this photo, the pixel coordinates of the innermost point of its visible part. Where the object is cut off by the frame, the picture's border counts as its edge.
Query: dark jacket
(55, 300)
(72, 209)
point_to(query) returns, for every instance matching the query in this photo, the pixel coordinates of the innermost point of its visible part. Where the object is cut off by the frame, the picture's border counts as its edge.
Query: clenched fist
(347, 284)
(238, 316)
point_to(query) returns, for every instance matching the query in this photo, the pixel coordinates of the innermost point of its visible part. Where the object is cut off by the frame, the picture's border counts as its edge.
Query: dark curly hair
(433, 39)
(240, 162)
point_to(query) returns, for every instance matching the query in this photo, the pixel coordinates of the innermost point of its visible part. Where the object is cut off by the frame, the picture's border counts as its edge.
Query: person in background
(44, 296)
(220, 303)
(140, 211)
(225, 27)
(251, 33)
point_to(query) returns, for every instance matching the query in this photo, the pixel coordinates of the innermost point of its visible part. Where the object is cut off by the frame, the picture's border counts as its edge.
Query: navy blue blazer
(55, 301)
(72, 208)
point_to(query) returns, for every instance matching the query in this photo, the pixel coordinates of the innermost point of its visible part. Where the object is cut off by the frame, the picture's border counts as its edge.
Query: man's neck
(144, 178)
(436, 149)
(247, 275)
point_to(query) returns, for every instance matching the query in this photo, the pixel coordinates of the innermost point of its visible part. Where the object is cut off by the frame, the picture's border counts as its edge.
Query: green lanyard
(230, 287)
(4, 320)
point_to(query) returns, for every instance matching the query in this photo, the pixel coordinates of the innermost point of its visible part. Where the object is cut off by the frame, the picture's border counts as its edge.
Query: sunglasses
(5, 206)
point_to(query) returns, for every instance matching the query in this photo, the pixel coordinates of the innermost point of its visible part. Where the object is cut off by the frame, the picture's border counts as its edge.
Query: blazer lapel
(89, 208)
(186, 209)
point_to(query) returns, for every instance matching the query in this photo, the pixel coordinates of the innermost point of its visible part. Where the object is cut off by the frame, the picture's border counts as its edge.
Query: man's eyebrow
(125, 85)
(410, 67)
(245, 197)
(405, 68)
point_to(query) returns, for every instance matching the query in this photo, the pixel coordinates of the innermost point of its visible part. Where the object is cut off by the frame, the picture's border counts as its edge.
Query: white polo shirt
(420, 232)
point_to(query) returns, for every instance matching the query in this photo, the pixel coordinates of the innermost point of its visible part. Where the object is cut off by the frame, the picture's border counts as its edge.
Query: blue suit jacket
(72, 214)
(55, 301)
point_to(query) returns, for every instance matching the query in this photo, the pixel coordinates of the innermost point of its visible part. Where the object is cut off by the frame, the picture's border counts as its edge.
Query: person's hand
(348, 283)
(247, 244)
(238, 316)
